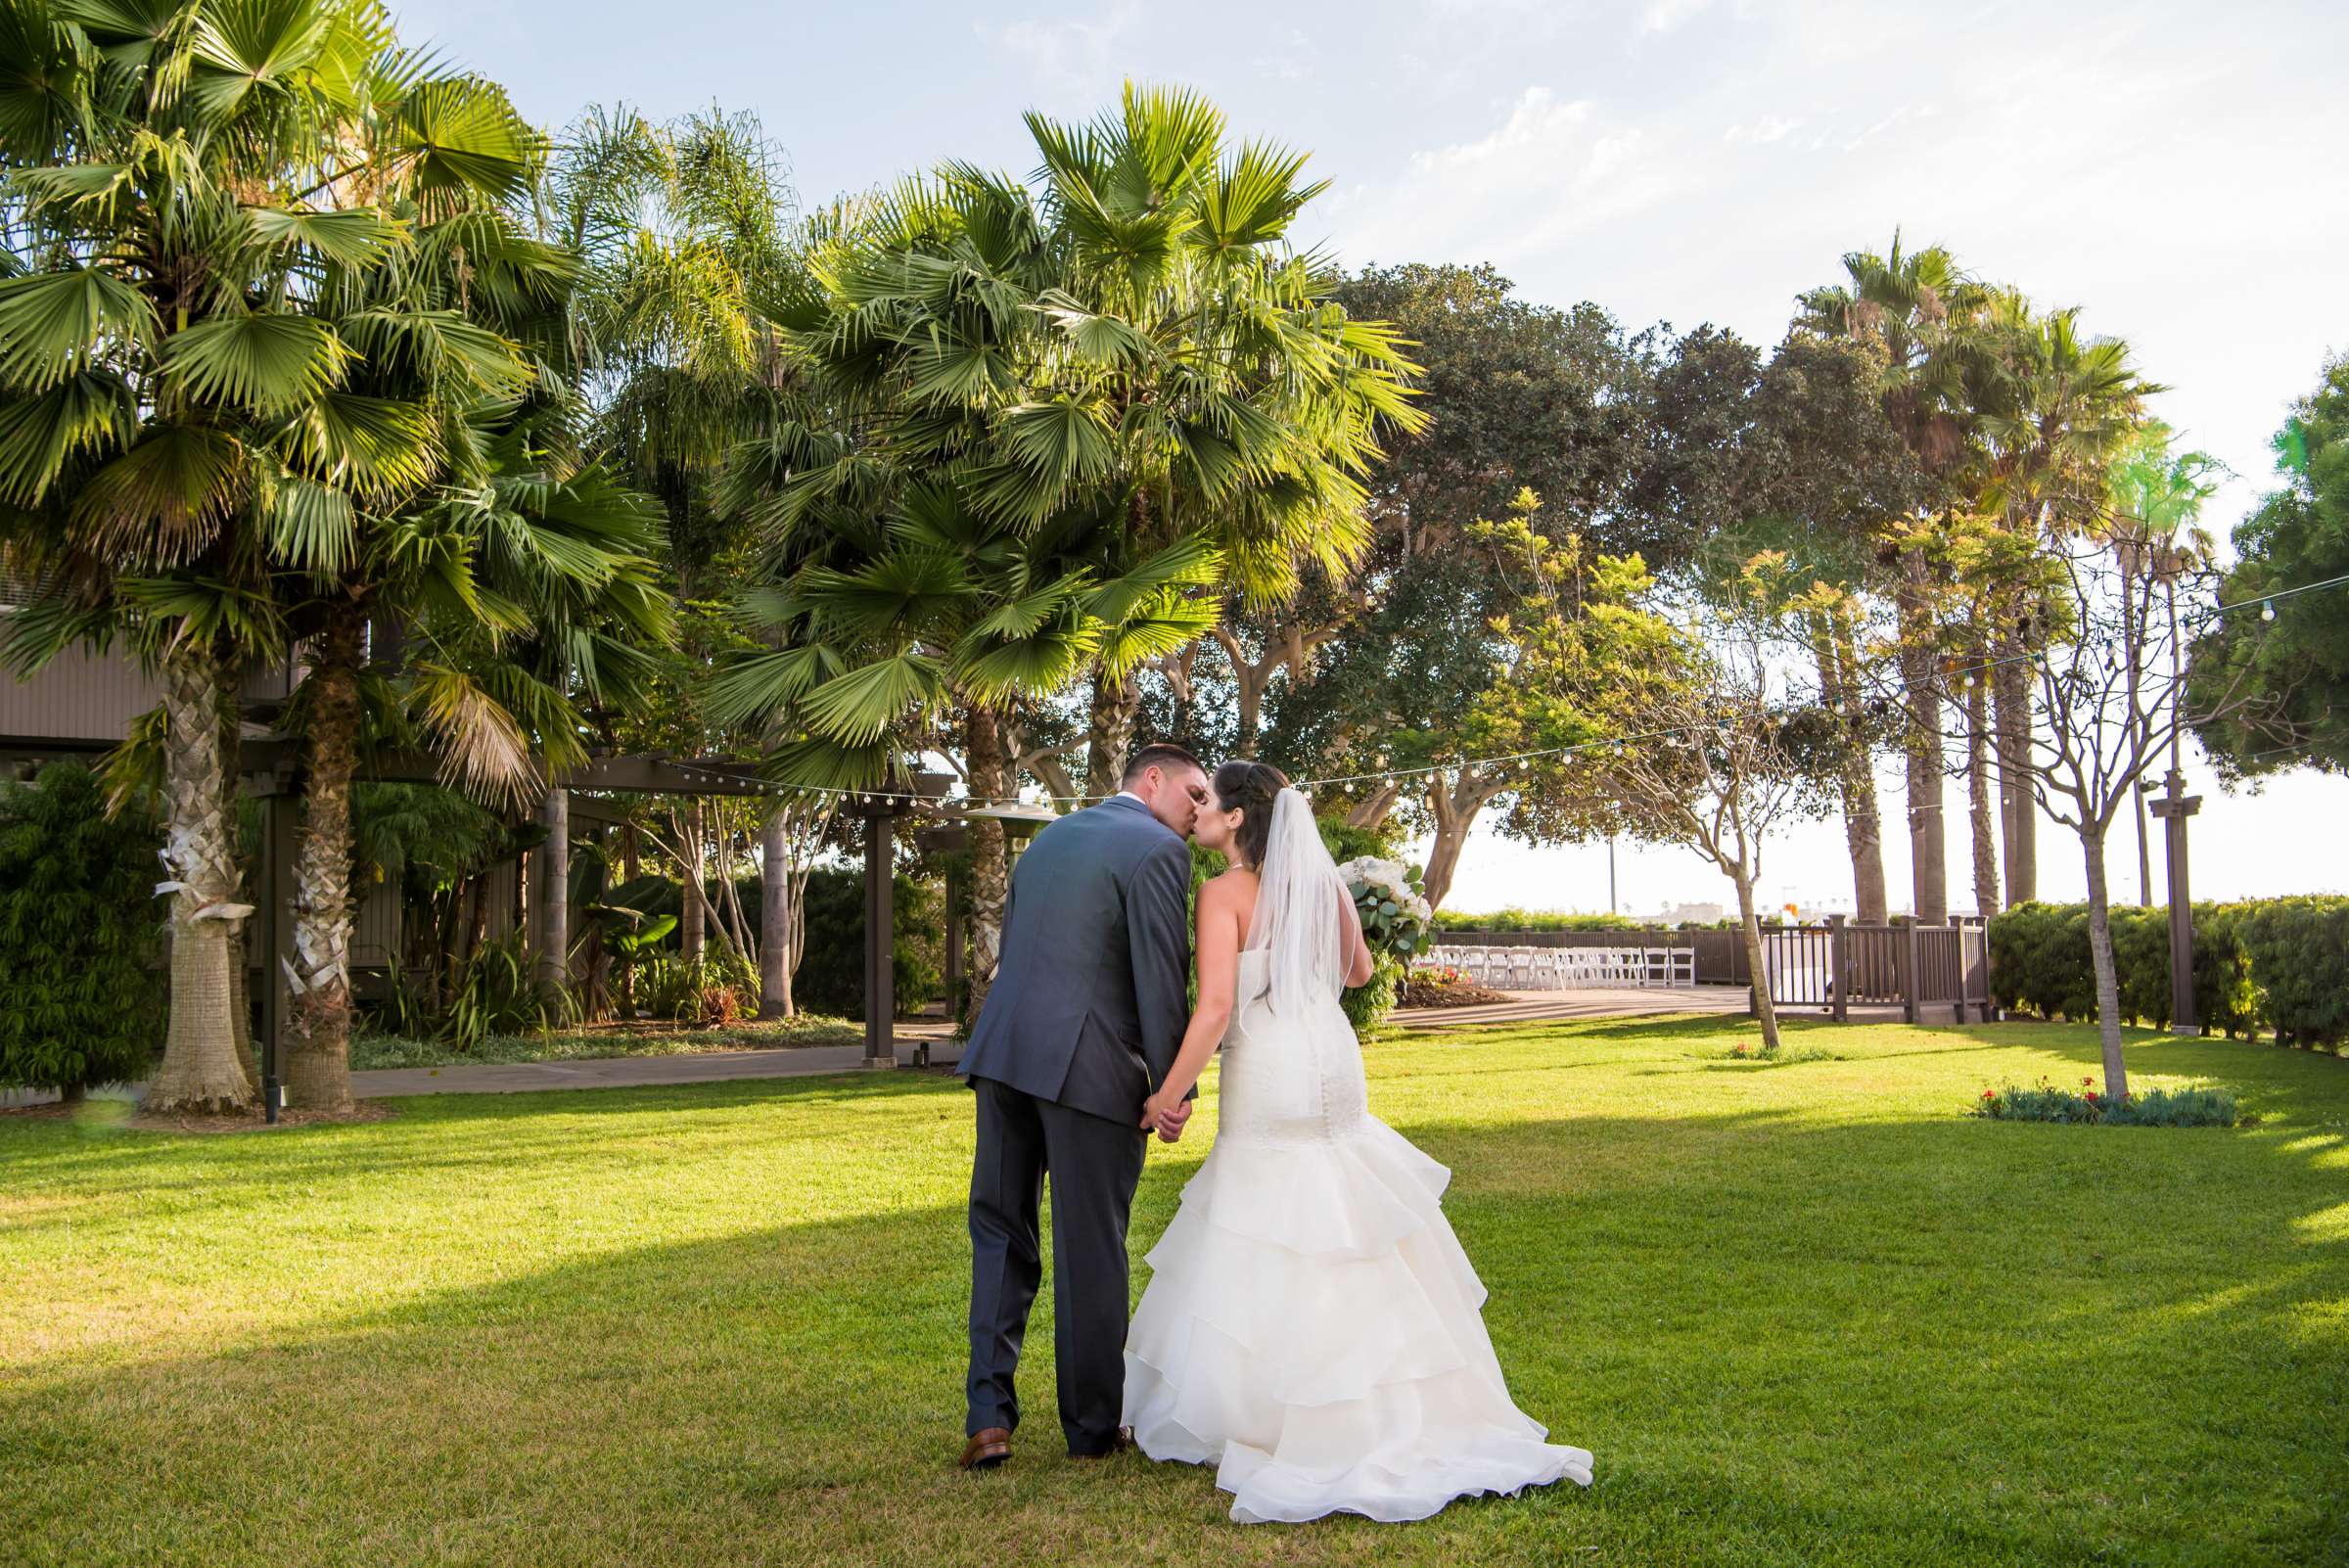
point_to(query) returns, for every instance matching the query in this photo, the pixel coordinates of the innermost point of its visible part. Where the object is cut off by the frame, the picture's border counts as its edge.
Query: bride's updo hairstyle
(1251, 787)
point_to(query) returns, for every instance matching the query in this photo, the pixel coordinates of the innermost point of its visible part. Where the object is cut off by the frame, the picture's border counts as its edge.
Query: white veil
(1305, 916)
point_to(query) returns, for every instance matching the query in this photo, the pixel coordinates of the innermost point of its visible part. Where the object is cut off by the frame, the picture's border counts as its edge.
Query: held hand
(1165, 1117)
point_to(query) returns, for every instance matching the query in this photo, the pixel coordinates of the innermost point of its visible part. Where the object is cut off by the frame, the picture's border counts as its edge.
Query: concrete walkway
(632, 1071)
(808, 1061)
(1614, 1002)
(600, 1072)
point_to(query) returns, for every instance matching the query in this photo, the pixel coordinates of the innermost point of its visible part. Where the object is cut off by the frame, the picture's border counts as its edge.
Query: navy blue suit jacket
(1090, 996)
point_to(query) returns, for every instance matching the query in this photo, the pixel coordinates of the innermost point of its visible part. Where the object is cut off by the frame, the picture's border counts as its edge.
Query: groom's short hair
(1163, 754)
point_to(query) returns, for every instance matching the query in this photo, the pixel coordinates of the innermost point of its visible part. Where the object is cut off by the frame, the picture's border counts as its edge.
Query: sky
(2170, 168)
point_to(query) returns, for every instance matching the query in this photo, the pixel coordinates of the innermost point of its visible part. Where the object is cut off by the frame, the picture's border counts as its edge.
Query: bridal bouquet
(1393, 903)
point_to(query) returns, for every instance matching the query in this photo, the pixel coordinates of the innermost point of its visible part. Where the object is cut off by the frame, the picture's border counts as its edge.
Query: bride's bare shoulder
(1233, 892)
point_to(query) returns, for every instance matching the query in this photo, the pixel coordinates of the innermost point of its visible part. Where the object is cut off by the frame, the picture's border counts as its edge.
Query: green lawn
(1807, 1312)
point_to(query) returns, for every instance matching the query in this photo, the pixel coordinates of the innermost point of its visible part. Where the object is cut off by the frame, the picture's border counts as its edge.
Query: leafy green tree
(1493, 652)
(1516, 395)
(1715, 749)
(1791, 456)
(2293, 648)
(686, 235)
(2156, 493)
(1047, 421)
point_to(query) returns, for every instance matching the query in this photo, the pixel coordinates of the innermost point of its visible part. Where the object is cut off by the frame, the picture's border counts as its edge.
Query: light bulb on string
(2266, 609)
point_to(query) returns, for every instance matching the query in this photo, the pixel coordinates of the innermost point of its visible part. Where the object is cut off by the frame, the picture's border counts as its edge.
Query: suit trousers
(1094, 1164)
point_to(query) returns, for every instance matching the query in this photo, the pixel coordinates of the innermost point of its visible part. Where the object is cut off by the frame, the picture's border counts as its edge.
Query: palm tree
(1915, 308)
(177, 408)
(1209, 385)
(2056, 409)
(1024, 461)
(683, 233)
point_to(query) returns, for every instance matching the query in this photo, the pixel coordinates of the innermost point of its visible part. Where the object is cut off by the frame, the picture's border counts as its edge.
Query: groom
(1083, 1020)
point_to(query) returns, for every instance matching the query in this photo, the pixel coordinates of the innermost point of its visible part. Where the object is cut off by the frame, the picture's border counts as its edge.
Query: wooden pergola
(272, 772)
(83, 703)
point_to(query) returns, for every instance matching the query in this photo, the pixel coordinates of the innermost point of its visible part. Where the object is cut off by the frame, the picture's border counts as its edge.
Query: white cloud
(1769, 128)
(1662, 15)
(1294, 62)
(1066, 54)
(1550, 170)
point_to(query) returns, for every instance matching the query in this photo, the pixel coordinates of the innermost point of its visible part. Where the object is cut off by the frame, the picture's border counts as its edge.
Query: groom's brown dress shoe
(987, 1448)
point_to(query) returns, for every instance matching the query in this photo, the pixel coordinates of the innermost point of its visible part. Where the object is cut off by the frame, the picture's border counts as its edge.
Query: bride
(1311, 1327)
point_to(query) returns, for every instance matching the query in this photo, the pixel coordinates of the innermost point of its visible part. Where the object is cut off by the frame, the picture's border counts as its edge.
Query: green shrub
(2225, 999)
(2298, 952)
(2140, 954)
(831, 973)
(2263, 963)
(2191, 1105)
(718, 989)
(81, 995)
(497, 991)
(2039, 961)
(1514, 919)
(1779, 1055)
(830, 978)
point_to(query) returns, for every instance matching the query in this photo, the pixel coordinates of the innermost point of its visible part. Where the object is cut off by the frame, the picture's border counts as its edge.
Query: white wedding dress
(1312, 1326)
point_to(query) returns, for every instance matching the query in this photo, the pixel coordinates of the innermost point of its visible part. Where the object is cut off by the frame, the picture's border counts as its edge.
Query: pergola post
(880, 922)
(550, 889)
(276, 944)
(2172, 809)
(956, 884)
(1839, 968)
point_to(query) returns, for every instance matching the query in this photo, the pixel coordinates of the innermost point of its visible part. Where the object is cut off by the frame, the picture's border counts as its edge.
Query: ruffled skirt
(1313, 1330)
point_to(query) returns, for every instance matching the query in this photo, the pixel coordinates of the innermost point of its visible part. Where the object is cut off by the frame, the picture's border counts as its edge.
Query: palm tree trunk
(1863, 822)
(775, 916)
(1923, 747)
(201, 1068)
(2019, 811)
(319, 1022)
(1978, 793)
(991, 861)
(1109, 733)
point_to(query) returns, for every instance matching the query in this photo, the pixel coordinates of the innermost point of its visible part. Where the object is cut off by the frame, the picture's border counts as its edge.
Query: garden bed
(1444, 988)
(646, 1036)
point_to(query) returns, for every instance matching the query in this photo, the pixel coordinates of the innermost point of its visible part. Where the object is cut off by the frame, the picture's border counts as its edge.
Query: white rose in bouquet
(1392, 906)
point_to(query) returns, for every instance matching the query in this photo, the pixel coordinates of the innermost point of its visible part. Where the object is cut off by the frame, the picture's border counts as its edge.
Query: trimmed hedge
(1514, 919)
(2260, 965)
(81, 935)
